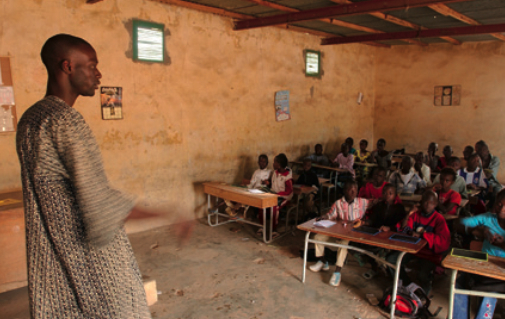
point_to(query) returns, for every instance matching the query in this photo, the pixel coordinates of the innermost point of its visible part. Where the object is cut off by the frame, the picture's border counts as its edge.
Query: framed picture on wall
(111, 100)
(312, 63)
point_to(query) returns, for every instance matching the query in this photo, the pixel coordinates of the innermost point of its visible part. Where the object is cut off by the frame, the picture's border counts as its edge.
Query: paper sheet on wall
(7, 95)
(6, 118)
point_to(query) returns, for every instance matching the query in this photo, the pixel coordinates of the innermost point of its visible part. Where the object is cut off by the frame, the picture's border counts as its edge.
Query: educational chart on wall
(111, 102)
(8, 119)
(447, 95)
(282, 112)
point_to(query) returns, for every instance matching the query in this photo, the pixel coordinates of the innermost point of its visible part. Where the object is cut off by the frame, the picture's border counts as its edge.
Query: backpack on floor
(411, 302)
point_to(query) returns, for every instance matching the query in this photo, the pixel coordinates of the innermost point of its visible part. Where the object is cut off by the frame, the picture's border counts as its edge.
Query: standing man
(80, 261)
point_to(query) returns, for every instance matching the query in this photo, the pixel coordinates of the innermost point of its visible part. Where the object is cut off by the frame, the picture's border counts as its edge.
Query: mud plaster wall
(207, 113)
(404, 112)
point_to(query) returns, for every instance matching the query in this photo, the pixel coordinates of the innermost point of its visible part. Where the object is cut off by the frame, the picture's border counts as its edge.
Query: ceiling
(373, 22)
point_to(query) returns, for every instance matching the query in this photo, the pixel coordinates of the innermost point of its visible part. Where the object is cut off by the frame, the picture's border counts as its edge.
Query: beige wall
(205, 116)
(405, 80)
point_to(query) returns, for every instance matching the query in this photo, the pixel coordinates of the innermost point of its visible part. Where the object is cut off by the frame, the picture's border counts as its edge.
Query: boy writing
(426, 223)
(349, 208)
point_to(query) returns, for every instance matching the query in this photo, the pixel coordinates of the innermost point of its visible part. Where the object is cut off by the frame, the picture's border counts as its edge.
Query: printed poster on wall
(282, 112)
(447, 95)
(111, 99)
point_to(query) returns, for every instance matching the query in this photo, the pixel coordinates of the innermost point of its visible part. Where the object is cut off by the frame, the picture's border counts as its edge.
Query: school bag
(411, 302)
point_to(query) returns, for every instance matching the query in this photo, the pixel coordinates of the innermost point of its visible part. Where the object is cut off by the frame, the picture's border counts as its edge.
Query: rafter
(327, 20)
(398, 21)
(337, 11)
(431, 33)
(226, 13)
(446, 11)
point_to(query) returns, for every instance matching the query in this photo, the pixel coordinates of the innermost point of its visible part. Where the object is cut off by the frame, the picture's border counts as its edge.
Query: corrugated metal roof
(485, 12)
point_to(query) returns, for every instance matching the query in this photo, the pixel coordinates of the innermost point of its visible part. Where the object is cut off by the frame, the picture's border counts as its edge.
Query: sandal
(259, 233)
(275, 235)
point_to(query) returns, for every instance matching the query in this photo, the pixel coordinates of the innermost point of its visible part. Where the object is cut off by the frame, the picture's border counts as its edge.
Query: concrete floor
(225, 272)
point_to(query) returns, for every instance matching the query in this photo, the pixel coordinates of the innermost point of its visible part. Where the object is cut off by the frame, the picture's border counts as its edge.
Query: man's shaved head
(57, 48)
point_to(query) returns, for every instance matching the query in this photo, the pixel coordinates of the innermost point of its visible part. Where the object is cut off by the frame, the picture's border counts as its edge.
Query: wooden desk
(321, 179)
(345, 231)
(365, 164)
(242, 196)
(494, 268)
(329, 168)
(13, 272)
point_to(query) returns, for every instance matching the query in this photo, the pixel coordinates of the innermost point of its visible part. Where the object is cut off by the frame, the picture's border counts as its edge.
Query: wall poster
(111, 102)
(282, 112)
(8, 118)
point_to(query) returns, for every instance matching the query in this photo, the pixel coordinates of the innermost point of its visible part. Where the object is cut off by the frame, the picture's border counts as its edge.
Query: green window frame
(313, 63)
(148, 41)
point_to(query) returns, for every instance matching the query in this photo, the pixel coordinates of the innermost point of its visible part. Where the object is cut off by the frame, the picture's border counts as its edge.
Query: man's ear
(66, 67)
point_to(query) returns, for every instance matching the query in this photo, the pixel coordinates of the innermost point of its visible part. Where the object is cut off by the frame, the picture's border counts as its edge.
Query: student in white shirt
(262, 174)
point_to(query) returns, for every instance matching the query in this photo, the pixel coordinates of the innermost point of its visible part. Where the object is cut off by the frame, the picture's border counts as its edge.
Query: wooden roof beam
(446, 11)
(234, 15)
(327, 20)
(337, 11)
(431, 33)
(398, 21)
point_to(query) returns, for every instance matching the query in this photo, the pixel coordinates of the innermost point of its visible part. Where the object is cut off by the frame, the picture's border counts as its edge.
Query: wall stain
(116, 140)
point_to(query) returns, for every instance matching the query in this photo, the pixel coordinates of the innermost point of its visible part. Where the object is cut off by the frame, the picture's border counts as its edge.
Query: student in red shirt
(425, 222)
(448, 199)
(373, 189)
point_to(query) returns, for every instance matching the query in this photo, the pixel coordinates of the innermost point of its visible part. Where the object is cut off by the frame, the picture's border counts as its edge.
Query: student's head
(363, 144)
(455, 163)
(350, 190)
(499, 205)
(482, 149)
(407, 163)
(319, 149)
(307, 164)
(467, 152)
(379, 176)
(447, 178)
(263, 161)
(280, 161)
(71, 65)
(473, 162)
(349, 141)
(429, 201)
(433, 147)
(447, 151)
(419, 158)
(389, 193)
(344, 148)
(381, 144)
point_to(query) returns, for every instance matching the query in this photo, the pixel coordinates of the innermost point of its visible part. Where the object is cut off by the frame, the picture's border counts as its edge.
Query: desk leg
(451, 293)
(395, 284)
(305, 256)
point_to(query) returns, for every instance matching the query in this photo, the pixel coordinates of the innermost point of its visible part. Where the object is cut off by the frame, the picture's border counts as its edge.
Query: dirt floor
(225, 272)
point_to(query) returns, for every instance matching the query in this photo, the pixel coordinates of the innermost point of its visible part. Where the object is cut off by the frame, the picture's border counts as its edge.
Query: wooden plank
(363, 7)
(432, 33)
(494, 267)
(345, 231)
(239, 195)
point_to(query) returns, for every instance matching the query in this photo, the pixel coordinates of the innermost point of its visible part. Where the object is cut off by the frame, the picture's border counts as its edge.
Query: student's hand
(384, 228)
(471, 186)
(266, 182)
(416, 234)
(414, 209)
(375, 201)
(437, 187)
(357, 223)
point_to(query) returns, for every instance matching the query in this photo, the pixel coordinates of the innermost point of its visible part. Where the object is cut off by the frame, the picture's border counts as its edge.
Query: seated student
(424, 222)
(345, 161)
(491, 228)
(350, 142)
(406, 180)
(431, 159)
(362, 156)
(466, 154)
(349, 208)
(262, 175)
(490, 165)
(381, 156)
(387, 213)
(373, 189)
(442, 161)
(422, 169)
(309, 178)
(459, 184)
(473, 174)
(282, 185)
(318, 157)
(448, 199)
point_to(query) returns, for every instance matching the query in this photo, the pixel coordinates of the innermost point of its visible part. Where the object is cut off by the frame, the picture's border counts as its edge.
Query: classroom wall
(405, 79)
(207, 113)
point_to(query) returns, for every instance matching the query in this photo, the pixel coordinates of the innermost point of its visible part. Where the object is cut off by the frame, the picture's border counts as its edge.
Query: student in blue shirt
(491, 227)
